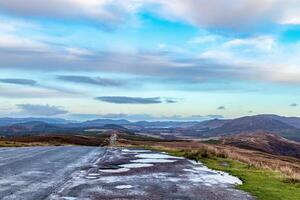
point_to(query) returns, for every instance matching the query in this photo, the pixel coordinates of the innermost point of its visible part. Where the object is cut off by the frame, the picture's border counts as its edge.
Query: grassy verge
(262, 183)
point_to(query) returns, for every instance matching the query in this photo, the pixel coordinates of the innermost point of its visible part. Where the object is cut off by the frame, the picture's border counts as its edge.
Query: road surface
(83, 173)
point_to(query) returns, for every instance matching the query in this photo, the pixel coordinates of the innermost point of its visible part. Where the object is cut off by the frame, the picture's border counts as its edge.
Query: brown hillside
(265, 142)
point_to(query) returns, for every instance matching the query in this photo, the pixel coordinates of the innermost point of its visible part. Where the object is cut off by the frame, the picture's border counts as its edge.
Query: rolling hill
(265, 142)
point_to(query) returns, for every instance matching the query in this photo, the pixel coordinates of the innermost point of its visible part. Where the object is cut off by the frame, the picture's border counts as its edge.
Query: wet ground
(83, 173)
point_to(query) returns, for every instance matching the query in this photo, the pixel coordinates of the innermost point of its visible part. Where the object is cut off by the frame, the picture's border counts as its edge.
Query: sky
(149, 59)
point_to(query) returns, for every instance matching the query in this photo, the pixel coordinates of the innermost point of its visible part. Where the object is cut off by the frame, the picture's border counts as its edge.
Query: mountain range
(287, 127)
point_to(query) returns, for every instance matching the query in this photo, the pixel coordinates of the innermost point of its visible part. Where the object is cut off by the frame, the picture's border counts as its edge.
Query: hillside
(265, 142)
(33, 127)
(278, 125)
(252, 124)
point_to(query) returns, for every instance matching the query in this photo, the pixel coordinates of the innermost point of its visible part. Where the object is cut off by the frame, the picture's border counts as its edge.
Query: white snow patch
(136, 150)
(93, 174)
(210, 177)
(69, 198)
(173, 179)
(152, 160)
(136, 165)
(121, 187)
(90, 177)
(119, 170)
(156, 156)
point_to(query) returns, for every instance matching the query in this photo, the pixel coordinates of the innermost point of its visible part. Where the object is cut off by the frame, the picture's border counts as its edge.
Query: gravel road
(83, 173)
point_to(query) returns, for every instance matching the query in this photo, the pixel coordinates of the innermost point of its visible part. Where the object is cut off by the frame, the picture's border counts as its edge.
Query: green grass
(261, 183)
(264, 184)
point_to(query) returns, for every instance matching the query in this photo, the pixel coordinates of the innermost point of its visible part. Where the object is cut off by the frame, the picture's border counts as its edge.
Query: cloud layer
(41, 110)
(90, 80)
(215, 13)
(129, 100)
(19, 81)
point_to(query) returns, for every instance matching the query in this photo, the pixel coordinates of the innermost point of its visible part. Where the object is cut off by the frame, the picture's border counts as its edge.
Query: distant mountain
(293, 121)
(101, 122)
(34, 127)
(287, 127)
(164, 124)
(210, 124)
(265, 142)
(42, 128)
(9, 121)
(252, 124)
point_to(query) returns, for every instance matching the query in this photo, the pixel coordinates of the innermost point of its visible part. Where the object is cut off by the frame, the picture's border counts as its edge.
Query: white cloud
(22, 43)
(41, 110)
(233, 14)
(28, 92)
(263, 43)
(205, 39)
(110, 11)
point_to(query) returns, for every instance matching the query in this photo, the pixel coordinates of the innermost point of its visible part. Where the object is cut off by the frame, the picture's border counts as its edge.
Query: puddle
(117, 170)
(121, 187)
(152, 160)
(69, 198)
(136, 150)
(109, 167)
(156, 156)
(211, 177)
(136, 165)
(93, 174)
(91, 177)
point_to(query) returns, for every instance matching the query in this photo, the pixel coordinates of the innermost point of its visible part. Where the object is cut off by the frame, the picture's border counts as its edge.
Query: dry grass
(288, 166)
(20, 144)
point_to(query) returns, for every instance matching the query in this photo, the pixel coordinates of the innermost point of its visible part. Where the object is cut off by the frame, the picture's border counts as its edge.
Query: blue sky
(149, 59)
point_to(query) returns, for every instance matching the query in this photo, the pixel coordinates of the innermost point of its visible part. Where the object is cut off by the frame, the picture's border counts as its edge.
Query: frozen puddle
(122, 187)
(69, 198)
(91, 177)
(119, 170)
(194, 172)
(156, 156)
(136, 165)
(152, 160)
(203, 174)
(93, 174)
(135, 151)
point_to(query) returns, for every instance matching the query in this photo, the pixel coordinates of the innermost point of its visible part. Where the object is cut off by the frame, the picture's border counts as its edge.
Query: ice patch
(121, 187)
(136, 150)
(173, 179)
(69, 198)
(211, 177)
(136, 165)
(156, 156)
(93, 174)
(90, 177)
(152, 160)
(119, 170)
